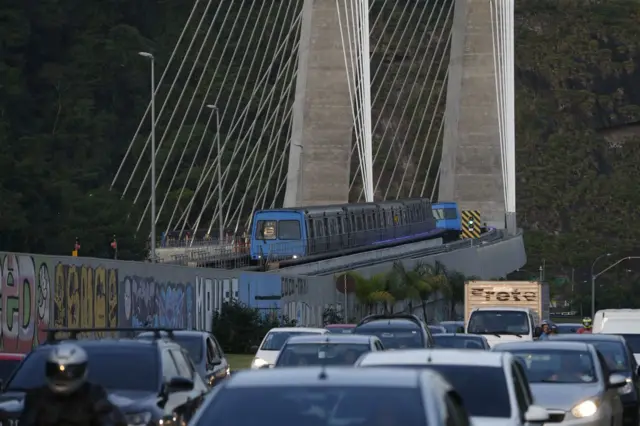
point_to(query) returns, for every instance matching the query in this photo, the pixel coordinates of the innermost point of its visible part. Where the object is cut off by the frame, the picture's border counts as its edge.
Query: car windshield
(192, 344)
(568, 328)
(275, 340)
(452, 327)
(472, 383)
(301, 354)
(499, 322)
(7, 367)
(633, 340)
(317, 406)
(340, 330)
(458, 342)
(392, 338)
(615, 353)
(113, 367)
(557, 366)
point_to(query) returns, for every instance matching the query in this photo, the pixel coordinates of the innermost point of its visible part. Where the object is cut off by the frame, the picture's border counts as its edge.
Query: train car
(447, 217)
(284, 234)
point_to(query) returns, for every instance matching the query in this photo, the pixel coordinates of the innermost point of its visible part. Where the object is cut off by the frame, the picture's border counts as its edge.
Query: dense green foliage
(73, 90)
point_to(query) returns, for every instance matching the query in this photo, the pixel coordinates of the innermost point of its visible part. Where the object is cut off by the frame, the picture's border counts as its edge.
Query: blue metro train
(293, 233)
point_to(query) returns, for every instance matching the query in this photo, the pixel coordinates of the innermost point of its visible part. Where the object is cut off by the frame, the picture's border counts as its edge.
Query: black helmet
(66, 368)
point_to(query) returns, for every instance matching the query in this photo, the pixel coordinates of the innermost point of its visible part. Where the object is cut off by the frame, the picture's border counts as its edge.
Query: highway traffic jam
(505, 364)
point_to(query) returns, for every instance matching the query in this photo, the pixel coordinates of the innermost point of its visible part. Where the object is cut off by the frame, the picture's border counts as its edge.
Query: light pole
(153, 153)
(219, 165)
(594, 276)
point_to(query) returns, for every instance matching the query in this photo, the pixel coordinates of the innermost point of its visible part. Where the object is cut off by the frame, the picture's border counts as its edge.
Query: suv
(204, 350)
(397, 331)
(151, 381)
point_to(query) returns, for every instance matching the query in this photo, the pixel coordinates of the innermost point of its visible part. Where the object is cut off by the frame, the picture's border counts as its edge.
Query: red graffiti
(24, 303)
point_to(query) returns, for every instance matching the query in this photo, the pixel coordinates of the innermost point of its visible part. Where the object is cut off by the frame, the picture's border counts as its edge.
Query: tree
(454, 289)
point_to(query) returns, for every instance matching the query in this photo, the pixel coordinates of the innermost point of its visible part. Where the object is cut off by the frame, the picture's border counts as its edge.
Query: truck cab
(500, 324)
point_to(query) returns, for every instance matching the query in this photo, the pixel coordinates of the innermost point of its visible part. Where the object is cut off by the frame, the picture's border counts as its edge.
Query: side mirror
(265, 366)
(536, 414)
(253, 348)
(178, 384)
(617, 381)
(537, 332)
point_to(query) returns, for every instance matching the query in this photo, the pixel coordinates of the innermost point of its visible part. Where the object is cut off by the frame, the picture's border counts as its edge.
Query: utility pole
(153, 154)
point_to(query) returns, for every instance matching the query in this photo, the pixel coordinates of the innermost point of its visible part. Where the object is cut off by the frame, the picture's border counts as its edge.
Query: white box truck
(505, 311)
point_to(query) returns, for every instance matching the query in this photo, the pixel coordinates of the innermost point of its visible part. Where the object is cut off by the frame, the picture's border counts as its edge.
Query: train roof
(347, 207)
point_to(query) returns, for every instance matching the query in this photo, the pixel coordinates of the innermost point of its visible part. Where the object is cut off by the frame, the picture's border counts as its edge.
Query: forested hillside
(73, 90)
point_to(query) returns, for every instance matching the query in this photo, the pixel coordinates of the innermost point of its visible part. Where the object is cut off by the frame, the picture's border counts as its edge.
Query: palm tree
(454, 289)
(370, 291)
(422, 282)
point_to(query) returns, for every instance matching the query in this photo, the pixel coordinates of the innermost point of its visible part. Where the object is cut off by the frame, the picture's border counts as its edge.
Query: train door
(341, 231)
(320, 240)
(311, 237)
(353, 230)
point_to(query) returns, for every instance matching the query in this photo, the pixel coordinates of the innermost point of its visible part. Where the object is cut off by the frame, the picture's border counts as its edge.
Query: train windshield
(445, 213)
(281, 230)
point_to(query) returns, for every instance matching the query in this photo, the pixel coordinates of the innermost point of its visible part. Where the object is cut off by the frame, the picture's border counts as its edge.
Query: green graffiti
(12, 304)
(26, 304)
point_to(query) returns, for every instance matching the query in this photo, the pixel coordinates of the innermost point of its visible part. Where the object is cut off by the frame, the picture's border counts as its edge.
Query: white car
(267, 353)
(492, 385)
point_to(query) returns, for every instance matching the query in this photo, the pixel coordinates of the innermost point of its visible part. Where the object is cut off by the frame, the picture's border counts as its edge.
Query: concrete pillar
(318, 171)
(471, 168)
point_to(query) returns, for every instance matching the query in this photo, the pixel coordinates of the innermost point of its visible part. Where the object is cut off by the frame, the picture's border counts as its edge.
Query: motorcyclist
(587, 323)
(68, 399)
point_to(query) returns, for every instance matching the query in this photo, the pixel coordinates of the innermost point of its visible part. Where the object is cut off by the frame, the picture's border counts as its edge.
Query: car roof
(569, 324)
(339, 325)
(134, 344)
(501, 308)
(395, 322)
(298, 329)
(333, 376)
(192, 333)
(435, 356)
(542, 345)
(331, 338)
(450, 322)
(598, 337)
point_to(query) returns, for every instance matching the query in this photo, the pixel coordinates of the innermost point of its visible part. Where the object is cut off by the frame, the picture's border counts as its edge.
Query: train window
(312, 233)
(376, 225)
(359, 224)
(339, 225)
(327, 227)
(266, 230)
(353, 223)
(317, 223)
(289, 230)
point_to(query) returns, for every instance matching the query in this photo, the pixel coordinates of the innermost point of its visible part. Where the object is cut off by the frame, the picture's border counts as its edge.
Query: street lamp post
(153, 153)
(219, 165)
(594, 276)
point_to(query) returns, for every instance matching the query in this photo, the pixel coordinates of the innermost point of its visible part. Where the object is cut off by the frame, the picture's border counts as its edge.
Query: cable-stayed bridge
(315, 102)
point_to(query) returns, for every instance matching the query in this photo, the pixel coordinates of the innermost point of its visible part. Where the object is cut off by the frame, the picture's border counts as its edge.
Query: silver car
(571, 380)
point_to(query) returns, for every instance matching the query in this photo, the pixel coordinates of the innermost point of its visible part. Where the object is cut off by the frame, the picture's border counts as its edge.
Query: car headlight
(258, 363)
(627, 388)
(138, 419)
(585, 409)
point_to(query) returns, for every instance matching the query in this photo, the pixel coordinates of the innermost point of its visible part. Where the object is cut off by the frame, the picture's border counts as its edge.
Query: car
(452, 326)
(333, 396)
(620, 360)
(567, 328)
(571, 380)
(461, 341)
(334, 230)
(396, 331)
(326, 349)
(205, 352)
(340, 328)
(8, 363)
(151, 381)
(436, 329)
(274, 340)
(492, 385)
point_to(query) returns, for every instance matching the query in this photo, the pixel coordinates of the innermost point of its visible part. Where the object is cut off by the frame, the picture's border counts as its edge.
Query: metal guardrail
(490, 237)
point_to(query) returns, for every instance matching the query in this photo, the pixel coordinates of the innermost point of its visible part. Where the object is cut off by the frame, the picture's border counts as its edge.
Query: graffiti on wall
(149, 303)
(85, 296)
(24, 306)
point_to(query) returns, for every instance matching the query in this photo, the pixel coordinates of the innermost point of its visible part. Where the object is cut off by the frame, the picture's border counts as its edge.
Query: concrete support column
(471, 168)
(318, 171)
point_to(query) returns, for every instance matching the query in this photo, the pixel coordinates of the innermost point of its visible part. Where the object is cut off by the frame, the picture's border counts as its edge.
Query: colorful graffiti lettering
(24, 311)
(147, 303)
(85, 296)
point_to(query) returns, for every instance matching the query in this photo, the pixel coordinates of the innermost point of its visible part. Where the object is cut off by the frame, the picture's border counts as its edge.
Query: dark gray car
(205, 352)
